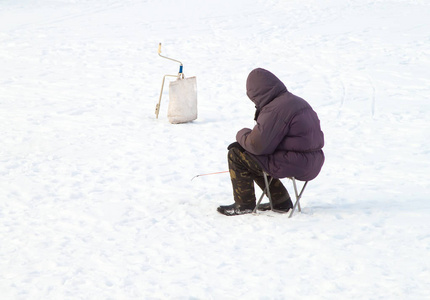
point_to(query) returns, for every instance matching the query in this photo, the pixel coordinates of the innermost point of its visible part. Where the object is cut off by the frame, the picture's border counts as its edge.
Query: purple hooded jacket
(287, 139)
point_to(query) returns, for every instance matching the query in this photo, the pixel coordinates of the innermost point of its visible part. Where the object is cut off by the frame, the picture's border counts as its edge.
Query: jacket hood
(262, 87)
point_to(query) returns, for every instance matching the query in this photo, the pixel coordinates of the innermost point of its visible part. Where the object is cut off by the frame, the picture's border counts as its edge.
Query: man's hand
(235, 145)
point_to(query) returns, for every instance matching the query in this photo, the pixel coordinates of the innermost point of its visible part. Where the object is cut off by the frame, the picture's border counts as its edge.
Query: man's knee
(234, 154)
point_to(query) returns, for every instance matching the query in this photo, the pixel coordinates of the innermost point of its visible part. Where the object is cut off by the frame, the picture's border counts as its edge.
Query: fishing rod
(209, 174)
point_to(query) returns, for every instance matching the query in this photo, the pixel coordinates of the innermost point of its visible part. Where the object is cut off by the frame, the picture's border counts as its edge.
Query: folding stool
(296, 193)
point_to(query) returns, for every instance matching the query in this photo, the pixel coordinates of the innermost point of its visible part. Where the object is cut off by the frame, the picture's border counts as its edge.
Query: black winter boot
(236, 209)
(283, 206)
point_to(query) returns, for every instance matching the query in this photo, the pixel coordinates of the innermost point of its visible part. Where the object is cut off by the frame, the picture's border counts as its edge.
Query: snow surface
(96, 195)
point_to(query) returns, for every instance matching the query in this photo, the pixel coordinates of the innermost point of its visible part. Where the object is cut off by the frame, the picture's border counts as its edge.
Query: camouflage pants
(243, 172)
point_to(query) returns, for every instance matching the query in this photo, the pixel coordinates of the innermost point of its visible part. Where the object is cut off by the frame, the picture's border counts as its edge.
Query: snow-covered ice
(96, 197)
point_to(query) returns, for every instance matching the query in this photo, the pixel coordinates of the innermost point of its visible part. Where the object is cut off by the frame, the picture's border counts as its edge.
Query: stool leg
(298, 196)
(267, 184)
(259, 201)
(268, 190)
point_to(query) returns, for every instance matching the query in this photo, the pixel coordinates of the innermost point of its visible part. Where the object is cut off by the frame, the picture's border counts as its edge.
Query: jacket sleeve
(266, 135)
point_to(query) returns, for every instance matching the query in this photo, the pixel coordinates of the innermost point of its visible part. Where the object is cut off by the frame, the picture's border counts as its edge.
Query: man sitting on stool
(287, 141)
